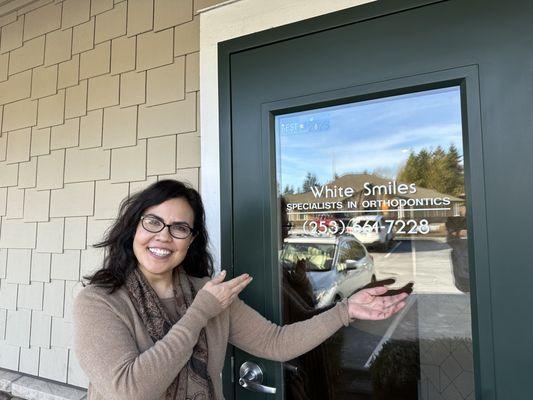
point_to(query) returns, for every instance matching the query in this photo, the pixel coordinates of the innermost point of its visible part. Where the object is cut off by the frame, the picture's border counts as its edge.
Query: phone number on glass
(338, 227)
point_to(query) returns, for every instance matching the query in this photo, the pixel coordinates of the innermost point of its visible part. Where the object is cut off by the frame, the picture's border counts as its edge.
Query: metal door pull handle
(251, 377)
(256, 386)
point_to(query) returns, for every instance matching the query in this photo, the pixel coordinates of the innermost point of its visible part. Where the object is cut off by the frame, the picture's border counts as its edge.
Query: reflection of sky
(373, 136)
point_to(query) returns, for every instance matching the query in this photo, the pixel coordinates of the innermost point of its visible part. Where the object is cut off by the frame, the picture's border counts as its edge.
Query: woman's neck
(162, 284)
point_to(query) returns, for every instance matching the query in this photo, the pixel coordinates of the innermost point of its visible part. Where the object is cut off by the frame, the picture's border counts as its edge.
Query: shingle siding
(97, 100)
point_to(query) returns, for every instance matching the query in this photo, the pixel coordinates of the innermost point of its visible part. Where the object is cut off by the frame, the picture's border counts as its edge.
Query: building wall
(97, 100)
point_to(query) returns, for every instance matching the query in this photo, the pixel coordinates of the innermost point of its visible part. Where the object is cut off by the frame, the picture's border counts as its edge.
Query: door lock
(251, 377)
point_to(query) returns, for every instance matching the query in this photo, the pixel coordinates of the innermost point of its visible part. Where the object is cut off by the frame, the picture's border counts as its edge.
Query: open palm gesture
(371, 304)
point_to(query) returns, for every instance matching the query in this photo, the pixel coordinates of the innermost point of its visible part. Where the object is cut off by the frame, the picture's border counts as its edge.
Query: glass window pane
(373, 191)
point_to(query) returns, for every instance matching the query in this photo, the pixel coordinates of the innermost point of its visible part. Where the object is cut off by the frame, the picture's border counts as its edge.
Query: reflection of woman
(151, 324)
(310, 375)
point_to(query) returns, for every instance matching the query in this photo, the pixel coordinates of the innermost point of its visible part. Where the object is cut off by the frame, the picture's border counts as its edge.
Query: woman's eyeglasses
(180, 230)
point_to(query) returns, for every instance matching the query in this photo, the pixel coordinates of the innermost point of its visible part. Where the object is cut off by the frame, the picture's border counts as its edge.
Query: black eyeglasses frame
(192, 231)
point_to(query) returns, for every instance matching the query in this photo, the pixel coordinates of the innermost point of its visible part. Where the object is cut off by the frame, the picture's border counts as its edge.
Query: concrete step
(15, 386)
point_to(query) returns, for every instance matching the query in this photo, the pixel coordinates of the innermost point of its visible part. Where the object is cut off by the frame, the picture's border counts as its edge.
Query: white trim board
(11, 6)
(228, 21)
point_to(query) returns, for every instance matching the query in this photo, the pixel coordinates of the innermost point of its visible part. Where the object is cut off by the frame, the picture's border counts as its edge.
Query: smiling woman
(151, 324)
(156, 249)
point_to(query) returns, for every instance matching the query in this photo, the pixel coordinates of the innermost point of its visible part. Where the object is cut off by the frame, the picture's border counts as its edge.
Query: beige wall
(97, 99)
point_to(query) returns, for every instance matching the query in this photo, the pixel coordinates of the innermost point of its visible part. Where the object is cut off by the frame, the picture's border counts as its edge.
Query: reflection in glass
(371, 191)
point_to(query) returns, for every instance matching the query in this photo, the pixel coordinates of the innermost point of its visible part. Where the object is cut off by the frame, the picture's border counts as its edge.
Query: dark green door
(392, 140)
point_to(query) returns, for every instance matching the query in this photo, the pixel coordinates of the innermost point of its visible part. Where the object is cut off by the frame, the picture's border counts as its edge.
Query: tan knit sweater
(122, 362)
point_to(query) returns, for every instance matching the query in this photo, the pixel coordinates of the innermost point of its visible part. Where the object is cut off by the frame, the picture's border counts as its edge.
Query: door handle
(251, 377)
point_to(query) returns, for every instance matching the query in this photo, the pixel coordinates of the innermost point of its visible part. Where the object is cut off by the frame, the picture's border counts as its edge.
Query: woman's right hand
(226, 292)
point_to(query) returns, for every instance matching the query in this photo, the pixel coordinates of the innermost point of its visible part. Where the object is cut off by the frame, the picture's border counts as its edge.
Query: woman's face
(159, 253)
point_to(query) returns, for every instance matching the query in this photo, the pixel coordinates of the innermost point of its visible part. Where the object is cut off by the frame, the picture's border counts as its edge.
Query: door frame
(466, 76)
(467, 79)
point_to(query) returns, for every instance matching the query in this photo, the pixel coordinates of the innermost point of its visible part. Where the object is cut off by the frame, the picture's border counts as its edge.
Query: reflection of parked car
(335, 266)
(371, 230)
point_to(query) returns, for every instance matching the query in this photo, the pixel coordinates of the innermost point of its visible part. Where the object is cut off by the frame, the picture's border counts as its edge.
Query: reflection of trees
(288, 190)
(438, 169)
(310, 181)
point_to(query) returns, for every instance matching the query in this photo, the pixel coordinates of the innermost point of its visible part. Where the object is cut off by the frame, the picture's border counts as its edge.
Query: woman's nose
(164, 235)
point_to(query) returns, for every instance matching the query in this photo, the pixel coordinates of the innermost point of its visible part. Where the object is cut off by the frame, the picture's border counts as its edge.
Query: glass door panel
(374, 192)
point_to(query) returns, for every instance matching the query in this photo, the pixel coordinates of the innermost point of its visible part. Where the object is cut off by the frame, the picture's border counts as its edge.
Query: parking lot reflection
(430, 341)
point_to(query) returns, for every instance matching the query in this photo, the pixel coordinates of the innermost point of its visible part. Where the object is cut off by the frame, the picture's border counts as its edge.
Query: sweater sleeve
(256, 335)
(107, 351)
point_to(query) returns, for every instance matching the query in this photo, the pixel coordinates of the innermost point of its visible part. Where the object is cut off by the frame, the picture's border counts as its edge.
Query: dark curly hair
(119, 258)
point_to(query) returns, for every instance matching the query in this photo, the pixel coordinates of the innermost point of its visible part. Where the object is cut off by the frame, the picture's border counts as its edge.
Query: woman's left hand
(370, 304)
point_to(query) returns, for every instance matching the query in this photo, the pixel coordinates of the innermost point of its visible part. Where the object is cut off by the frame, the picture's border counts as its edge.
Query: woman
(151, 324)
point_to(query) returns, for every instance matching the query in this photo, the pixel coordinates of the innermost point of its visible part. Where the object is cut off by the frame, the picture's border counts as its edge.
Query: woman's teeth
(159, 252)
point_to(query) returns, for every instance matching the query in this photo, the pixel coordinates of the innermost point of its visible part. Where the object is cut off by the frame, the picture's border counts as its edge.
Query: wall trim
(9, 6)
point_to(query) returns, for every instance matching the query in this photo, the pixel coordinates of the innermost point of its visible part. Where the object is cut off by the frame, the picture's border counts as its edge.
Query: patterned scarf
(193, 381)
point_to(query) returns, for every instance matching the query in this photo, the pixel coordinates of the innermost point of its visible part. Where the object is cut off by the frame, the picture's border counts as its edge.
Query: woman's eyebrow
(180, 223)
(154, 216)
